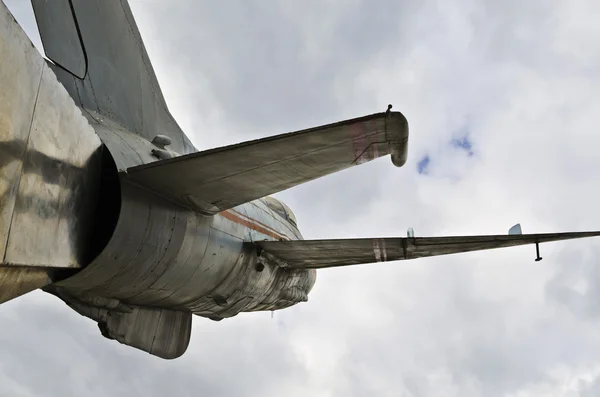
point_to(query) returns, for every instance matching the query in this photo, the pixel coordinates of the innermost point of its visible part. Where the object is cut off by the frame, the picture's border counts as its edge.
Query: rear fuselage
(152, 252)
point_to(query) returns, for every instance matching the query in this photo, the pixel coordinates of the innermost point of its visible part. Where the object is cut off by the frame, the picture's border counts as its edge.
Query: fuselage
(161, 255)
(71, 224)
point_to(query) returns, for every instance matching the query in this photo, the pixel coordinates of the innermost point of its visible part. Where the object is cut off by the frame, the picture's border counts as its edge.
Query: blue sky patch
(463, 144)
(423, 165)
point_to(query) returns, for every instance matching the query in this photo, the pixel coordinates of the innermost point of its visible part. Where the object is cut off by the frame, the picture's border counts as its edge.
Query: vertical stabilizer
(100, 58)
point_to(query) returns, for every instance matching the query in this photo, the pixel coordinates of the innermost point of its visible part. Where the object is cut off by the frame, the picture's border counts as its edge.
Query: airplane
(107, 205)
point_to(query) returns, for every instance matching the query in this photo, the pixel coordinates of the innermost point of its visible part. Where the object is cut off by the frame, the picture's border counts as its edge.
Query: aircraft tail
(99, 56)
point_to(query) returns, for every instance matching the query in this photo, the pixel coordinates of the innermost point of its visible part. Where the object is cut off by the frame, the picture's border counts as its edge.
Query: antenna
(516, 230)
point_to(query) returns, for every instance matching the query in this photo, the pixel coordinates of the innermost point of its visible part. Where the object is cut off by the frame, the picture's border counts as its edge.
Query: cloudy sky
(503, 104)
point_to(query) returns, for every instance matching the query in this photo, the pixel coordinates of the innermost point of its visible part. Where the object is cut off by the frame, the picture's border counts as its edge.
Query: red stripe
(244, 216)
(251, 225)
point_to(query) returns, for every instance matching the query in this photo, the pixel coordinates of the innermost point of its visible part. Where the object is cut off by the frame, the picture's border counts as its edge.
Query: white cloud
(522, 77)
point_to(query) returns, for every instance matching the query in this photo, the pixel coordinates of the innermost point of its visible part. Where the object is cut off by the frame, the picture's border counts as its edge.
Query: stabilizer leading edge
(215, 180)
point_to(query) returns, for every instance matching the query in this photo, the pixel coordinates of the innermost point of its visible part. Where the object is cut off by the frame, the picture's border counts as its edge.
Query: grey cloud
(47, 349)
(589, 389)
(294, 64)
(575, 286)
(479, 324)
(483, 345)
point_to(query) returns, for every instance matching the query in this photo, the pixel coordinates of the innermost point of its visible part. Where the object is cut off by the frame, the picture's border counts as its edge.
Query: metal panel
(17, 281)
(122, 250)
(163, 333)
(58, 186)
(49, 163)
(153, 252)
(213, 266)
(20, 74)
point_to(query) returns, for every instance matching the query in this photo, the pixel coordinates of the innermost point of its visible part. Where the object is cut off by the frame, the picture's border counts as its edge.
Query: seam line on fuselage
(23, 165)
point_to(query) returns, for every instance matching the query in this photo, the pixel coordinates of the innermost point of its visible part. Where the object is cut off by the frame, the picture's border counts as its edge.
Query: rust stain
(360, 144)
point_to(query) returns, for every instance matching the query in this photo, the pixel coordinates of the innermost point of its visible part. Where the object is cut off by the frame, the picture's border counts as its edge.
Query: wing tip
(398, 138)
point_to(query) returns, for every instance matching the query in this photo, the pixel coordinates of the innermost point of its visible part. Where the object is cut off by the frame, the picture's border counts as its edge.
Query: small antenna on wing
(389, 109)
(537, 252)
(272, 312)
(516, 230)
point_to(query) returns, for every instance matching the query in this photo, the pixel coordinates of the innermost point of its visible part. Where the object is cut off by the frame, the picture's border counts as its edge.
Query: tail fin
(100, 58)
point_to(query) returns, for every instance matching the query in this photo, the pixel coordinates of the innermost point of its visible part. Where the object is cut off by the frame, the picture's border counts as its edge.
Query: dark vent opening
(108, 207)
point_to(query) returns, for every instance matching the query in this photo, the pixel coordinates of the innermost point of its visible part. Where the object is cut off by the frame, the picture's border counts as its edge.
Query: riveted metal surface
(127, 149)
(219, 262)
(183, 267)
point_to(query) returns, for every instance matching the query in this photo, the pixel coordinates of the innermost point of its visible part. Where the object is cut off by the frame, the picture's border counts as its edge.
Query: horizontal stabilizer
(218, 179)
(317, 254)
